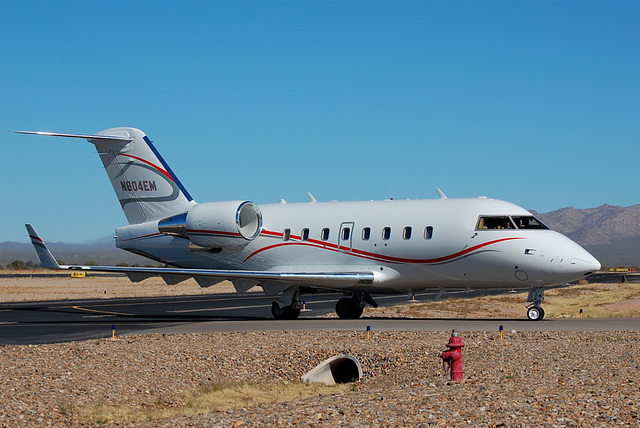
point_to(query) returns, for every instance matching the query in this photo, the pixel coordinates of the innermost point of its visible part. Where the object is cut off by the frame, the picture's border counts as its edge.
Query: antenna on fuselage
(441, 194)
(311, 198)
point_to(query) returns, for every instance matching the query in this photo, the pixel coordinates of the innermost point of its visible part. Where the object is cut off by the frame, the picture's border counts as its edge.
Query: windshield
(507, 222)
(529, 222)
(495, 222)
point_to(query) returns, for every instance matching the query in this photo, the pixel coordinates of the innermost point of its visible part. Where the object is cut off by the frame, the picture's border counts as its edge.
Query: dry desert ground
(251, 379)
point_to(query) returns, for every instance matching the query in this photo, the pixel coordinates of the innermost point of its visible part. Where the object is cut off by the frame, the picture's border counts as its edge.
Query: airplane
(356, 248)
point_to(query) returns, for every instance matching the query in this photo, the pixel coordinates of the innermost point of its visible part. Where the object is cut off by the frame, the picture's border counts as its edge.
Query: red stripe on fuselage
(287, 244)
(380, 257)
(437, 259)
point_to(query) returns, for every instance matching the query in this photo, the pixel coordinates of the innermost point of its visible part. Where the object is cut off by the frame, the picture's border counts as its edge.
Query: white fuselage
(409, 245)
(359, 248)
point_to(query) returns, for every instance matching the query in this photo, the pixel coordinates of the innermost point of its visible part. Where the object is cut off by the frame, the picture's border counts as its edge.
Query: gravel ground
(528, 379)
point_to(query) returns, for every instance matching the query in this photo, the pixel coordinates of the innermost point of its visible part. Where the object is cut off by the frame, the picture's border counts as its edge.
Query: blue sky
(534, 102)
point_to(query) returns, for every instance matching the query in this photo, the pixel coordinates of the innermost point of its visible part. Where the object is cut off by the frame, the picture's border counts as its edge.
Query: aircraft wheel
(347, 308)
(358, 312)
(284, 313)
(535, 313)
(292, 314)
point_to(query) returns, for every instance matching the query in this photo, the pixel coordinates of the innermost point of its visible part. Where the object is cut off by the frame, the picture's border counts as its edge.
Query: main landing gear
(534, 310)
(352, 307)
(288, 306)
(285, 312)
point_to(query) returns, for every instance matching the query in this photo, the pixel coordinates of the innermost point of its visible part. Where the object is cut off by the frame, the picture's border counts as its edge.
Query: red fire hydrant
(453, 356)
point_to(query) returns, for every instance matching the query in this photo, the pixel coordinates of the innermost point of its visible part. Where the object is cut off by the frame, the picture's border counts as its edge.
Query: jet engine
(216, 224)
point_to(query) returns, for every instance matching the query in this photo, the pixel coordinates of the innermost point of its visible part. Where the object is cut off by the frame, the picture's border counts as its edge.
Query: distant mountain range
(610, 233)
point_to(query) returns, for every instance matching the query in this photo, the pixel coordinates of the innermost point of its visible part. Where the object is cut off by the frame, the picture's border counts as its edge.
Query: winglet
(44, 255)
(441, 194)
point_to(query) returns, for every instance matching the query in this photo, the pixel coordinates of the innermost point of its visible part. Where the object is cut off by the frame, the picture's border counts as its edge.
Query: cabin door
(345, 237)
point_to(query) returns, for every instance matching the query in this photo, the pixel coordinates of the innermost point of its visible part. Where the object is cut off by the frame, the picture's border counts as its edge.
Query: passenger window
(345, 233)
(286, 234)
(406, 233)
(325, 234)
(386, 233)
(366, 233)
(428, 232)
(495, 222)
(529, 222)
(305, 234)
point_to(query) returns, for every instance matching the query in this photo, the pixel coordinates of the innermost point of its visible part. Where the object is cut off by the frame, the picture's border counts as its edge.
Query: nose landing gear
(534, 310)
(535, 313)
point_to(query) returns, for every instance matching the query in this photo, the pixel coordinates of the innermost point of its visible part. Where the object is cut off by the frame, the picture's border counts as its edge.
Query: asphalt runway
(63, 321)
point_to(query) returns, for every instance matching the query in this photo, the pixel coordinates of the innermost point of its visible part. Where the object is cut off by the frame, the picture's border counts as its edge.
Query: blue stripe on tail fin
(167, 168)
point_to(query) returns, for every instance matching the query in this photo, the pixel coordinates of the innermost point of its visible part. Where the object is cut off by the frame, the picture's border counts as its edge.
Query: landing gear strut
(352, 307)
(534, 310)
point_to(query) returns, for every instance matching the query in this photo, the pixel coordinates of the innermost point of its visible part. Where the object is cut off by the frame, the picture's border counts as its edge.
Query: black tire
(292, 314)
(277, 311)
(284, 313)
(347, 309)
(357, 313)
(535, 313)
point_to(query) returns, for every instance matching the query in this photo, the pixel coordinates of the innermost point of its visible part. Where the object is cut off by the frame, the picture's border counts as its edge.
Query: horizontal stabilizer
(105, 138)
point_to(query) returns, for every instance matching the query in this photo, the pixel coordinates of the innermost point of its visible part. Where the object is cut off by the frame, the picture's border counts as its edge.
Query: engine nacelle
(216, 224)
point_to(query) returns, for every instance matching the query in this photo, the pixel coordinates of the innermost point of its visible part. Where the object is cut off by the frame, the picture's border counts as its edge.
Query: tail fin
(144, 184)
(44, 255)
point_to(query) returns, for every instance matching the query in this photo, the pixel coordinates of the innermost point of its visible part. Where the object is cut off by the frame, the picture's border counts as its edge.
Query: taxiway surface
(62, 321)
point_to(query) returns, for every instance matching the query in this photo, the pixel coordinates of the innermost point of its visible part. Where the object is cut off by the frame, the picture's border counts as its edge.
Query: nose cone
(587, 265)
(569, 261)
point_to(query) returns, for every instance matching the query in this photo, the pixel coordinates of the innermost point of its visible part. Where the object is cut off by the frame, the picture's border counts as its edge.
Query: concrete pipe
(339, 369)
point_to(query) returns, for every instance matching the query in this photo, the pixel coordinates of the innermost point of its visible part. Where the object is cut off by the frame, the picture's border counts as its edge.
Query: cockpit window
(495, 222)
(506, 222)
(529, 222)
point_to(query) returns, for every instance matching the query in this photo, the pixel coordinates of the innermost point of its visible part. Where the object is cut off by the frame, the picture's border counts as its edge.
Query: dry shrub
(208, 398)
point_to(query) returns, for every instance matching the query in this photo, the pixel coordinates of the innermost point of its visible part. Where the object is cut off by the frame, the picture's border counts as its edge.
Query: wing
(208, 277)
